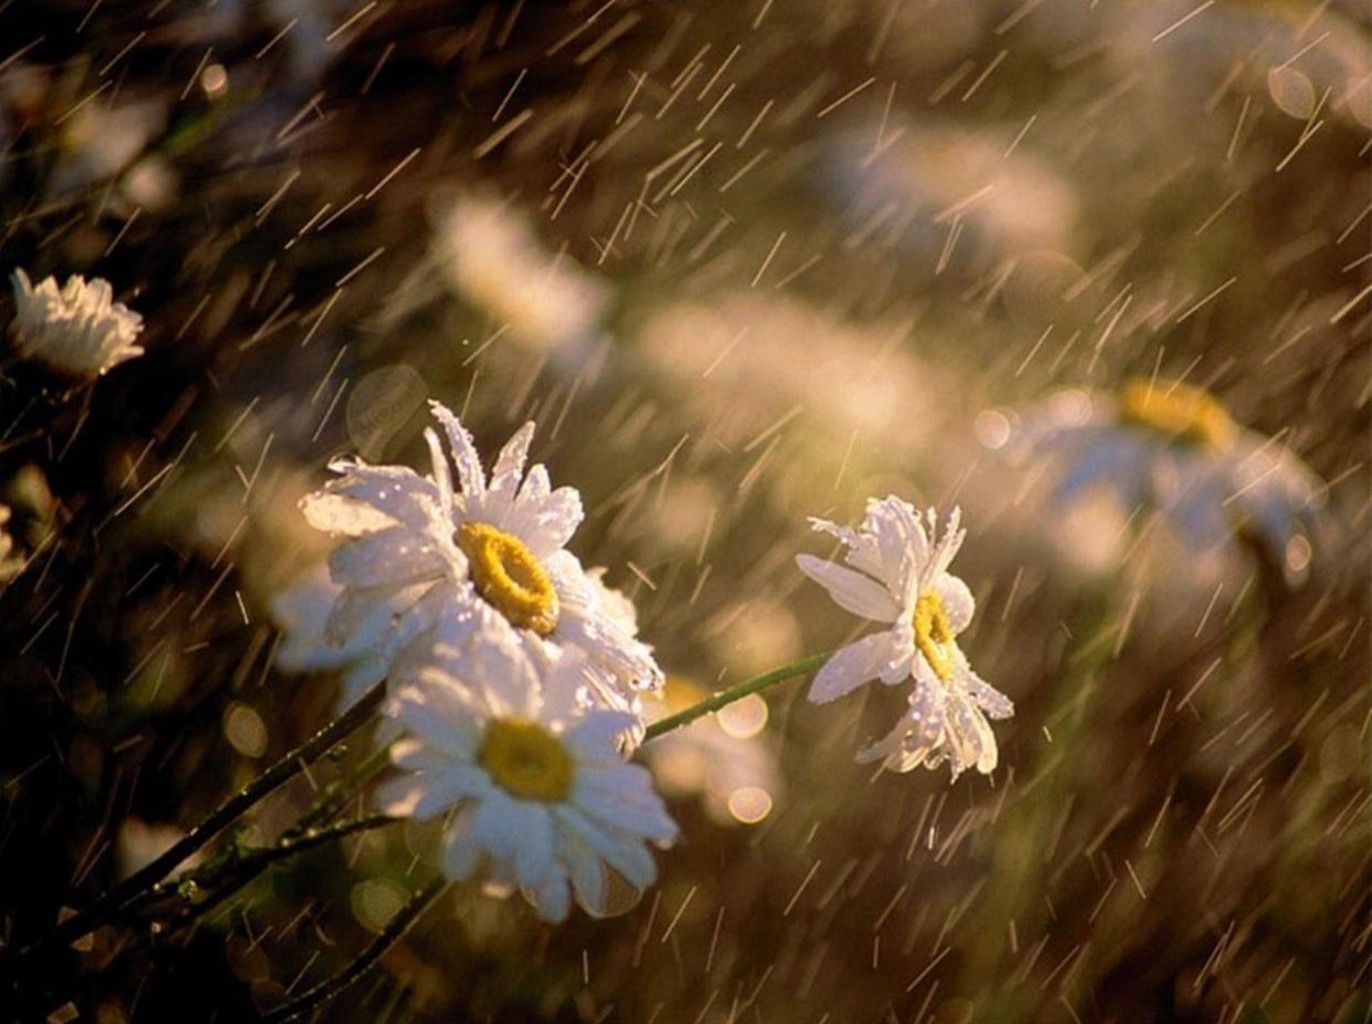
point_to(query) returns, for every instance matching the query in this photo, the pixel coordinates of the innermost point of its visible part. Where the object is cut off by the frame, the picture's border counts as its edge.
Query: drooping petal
(398, 557)
(850, 667)
(851, 591)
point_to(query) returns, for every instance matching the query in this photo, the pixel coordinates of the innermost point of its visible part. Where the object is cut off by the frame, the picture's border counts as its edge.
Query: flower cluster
(513, 671)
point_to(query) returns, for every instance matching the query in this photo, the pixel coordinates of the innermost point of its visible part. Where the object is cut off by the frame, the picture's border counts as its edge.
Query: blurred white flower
(725, 758)
(535, 789)
(79, 331)
(491, 256)
(302, 612)
(1172, 448)
(897, 573)
(440, 559)
(944, 193)
(102, 140)
(10, 562)
(743, 361)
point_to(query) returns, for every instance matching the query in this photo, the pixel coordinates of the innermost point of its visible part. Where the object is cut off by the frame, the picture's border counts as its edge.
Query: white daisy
(896, 572)
(441, 556)
(1172, 448)
(493, 258)
(11, 564)
(79, 331)
(538, 794)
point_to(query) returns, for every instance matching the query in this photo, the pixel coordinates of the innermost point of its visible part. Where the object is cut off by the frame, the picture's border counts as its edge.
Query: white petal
(987, 697)
(851, 591)
(958, 603)
(343, 517)
(627, 856)
(552, 899)
(398, 491)
(471, 477)
(398, 557)
(587, 874)
(850, 667)
(508, 472)
(461, 852)
(399, 796)
(443, 789)
(534, 852)
(437, 711)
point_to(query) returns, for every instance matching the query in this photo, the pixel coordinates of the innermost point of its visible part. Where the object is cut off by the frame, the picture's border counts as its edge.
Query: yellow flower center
(1186, 414)
(527, 761)
(933, 634)
(509, 577)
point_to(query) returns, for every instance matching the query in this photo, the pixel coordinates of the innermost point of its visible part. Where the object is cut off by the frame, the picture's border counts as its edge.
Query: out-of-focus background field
(744, 263)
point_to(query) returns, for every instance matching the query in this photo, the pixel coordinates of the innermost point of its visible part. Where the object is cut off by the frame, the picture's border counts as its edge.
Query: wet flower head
(1190, 415)
(895, 572)
(1173, 449)
(455, 554)
(79, 331)
(532, 784)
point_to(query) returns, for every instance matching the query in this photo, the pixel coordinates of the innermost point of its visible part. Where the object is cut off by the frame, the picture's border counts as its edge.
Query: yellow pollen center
(509, 577)
(933, 634)
(1186, 414)
(527, 761)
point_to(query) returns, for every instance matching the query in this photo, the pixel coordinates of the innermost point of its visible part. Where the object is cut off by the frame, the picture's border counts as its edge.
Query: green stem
(724, 698)
(366, 960)
(331, 799)
(241, 868)
(292, 764)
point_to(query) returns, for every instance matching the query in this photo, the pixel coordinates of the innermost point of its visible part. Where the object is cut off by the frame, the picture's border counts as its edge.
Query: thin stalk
(366, 960)
(289, 766)
(242, 868)
(734, 693)
(335, 795)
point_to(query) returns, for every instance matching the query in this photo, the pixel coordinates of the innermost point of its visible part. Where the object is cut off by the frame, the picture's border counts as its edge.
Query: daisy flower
(441, 556)
(1173, 448)
(895, 572)
(535, 791)
(78, 331)
(10, 562)
(491, 256)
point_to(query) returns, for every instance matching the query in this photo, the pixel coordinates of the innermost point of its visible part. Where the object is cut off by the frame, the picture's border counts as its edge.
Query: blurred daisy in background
(489, 254)
(440, 557)
(895, 571)
(941, 195)
(11, 564)
(1171, 448)
(79, 331)
(726, 758)
(301, 611)
(533, 787)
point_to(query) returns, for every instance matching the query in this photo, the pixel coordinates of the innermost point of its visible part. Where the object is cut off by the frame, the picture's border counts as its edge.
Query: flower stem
(724, 698)
(366, 960)
(241, 868)
(334, 797)
(112, 902)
